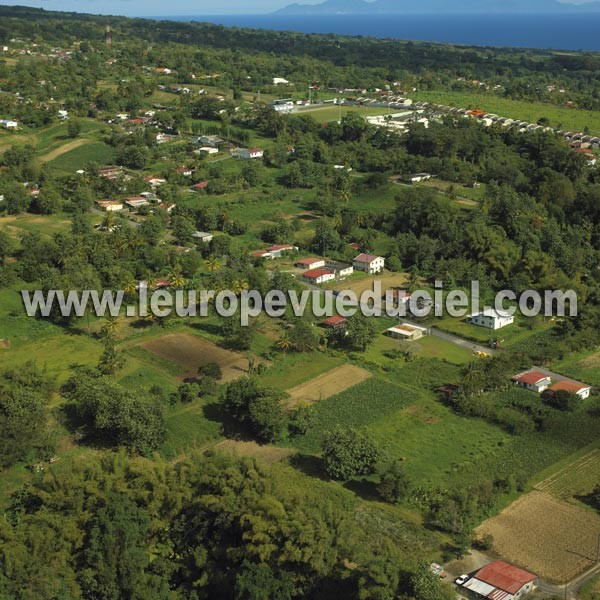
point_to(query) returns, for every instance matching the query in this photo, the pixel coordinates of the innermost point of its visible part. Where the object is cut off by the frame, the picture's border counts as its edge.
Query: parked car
(461, 580)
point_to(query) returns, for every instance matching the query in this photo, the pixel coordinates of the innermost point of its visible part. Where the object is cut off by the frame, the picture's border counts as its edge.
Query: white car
(461, 580)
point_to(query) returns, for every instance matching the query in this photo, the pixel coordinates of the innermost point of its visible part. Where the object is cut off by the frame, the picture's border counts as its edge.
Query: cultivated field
(329, 384)
(191, 352)
(546, 536)
(578, 478)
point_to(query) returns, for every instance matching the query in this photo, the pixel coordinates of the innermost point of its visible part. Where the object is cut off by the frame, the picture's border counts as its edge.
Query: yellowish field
(329, 384)
(268, 454)
(388, 281)
(191, 352)
(63, 149)
(578, 478)
(546, 536)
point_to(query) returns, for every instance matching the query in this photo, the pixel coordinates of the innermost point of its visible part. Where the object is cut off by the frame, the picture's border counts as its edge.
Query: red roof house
(505, 577)
(580, 389)
(533, 380)
(335, 322)
(318, 276)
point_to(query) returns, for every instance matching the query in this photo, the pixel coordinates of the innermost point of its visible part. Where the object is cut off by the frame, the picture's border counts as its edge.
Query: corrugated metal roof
(479, 587)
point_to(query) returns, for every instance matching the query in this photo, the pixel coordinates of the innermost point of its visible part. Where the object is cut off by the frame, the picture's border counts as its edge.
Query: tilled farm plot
(329, 384)
(546, 536)
(191, 352)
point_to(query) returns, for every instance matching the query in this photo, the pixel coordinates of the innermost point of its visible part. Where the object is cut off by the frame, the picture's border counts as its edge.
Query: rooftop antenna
(108, 35)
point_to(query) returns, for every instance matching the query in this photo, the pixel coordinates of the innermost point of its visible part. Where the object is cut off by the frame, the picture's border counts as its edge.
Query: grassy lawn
(561, 117)
(47, 226)
(507, 336)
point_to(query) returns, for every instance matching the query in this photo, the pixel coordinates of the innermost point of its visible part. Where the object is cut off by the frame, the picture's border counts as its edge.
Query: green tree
(73, 128)
(394, 484)
(361, 331)
(348, 453)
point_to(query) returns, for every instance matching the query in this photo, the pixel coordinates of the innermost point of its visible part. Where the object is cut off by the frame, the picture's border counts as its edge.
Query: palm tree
(285, 344)
(213, 264)
(472, 378)
(176, 277)
(108, 221)
(239, 286)
(130, 287)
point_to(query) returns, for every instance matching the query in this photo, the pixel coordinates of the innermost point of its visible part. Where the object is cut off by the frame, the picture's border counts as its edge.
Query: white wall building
(491, 319)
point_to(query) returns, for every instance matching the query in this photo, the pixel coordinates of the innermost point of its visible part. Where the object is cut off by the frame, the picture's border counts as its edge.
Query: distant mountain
(398, 7)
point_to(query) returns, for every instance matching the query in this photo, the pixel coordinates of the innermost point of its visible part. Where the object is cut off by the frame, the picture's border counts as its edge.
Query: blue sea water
(559, 31)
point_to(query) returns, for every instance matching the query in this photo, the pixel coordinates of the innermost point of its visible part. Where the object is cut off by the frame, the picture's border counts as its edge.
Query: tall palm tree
(239, 286)
(284, 343)
(130, 287)
(176, 277)
(213, 264)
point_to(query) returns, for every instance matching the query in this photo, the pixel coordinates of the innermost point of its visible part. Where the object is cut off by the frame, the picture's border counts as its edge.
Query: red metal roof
(530, 378)
(333, 321)
(316, 273)
(505, 577)
(569, 386)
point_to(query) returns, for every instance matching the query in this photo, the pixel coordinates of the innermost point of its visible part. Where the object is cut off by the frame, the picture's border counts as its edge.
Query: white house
(109, 205)
(8, 124)
(318, 276)
(340, 269)
(310, 263)
(491, 319)
(533, 380)
(369, 263)
(136, 202)
(202, 236)
(278, 250)
(579, 389)
(207, 150)
(407, 332)
(418, 177)
(63, 114)
(280, 81)
(251, 153)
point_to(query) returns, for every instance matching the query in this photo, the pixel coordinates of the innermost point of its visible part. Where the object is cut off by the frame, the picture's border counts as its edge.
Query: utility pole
(108, 35)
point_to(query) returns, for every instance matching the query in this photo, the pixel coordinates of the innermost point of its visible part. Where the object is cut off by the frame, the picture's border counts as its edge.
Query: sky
(162, 8)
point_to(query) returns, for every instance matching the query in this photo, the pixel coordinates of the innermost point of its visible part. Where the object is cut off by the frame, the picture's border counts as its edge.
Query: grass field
(584, 366)
(332, 113)
(546, 536)
(76, 158)
(563, 118)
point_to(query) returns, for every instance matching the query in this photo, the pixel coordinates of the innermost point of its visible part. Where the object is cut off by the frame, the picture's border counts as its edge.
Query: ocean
(564, 32)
